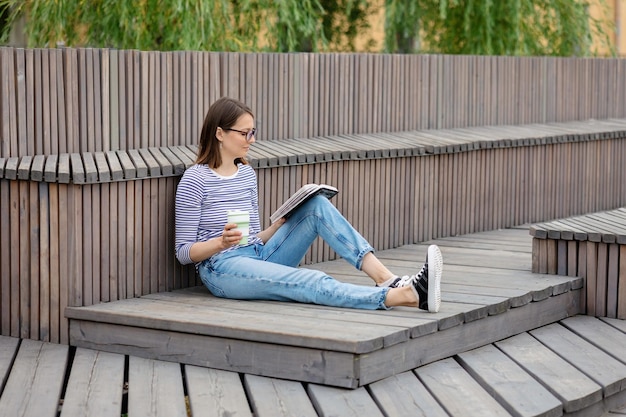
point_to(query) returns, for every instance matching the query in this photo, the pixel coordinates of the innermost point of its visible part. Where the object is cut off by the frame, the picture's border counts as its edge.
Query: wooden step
(489, 294)
(576, 367)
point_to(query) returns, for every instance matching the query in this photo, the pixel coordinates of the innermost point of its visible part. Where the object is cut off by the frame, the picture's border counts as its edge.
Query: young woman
(266, 268)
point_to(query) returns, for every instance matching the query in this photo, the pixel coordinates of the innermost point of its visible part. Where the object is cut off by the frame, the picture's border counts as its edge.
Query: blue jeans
(270, 272)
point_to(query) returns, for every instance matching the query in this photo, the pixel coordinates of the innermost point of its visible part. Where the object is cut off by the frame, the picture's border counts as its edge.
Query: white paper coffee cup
(242, 219)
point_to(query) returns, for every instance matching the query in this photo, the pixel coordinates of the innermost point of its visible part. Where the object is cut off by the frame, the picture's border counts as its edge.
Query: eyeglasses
(248, 134)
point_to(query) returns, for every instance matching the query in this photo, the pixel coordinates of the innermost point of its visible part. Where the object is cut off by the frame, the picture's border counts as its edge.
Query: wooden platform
(591, 246)
(278, 359)
(489, 294)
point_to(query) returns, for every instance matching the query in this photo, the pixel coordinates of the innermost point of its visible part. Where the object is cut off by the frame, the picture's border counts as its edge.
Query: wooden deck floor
(506, 342)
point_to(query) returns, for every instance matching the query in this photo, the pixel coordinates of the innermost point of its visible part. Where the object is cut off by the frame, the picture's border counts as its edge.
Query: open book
(302, 195)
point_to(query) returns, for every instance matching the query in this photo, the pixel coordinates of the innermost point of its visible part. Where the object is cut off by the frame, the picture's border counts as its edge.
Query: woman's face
(234, 142)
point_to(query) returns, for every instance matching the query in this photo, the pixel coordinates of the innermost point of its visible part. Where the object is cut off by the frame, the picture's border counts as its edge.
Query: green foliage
(218, 25)
(492, 27)
(7, 16)
(477, 27)
(344, 20)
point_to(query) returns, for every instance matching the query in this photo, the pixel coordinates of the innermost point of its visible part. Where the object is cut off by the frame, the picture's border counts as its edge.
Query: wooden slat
(452, 385)
(153, 168)
(45, 262)
(155, 388)
(605, 370)
(36, 380)
(9, 346)
(214, 393)
(572, 387)
(102, 167)
(139, 163)
(273, 397)
(605, 337)
(353, 403)
(129, 242)
(33, 210)
(5, 257)
(91, 250)
(405, 394)
(121, 264)
(151, 235)
(621, 305)
(95, 385)
(515, 389)
(55, 262)
(21, 276)
(110, 253)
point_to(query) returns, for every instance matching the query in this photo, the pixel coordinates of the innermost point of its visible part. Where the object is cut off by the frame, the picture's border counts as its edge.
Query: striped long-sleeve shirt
(203, 199)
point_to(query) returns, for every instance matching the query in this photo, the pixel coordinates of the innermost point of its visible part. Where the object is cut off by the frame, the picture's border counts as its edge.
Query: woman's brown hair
(223, 113)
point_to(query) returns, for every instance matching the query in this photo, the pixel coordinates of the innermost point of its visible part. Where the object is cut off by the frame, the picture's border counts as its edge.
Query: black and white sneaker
(427, 283)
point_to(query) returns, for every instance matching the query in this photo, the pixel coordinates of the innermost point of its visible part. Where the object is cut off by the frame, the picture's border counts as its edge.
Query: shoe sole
(435, 270)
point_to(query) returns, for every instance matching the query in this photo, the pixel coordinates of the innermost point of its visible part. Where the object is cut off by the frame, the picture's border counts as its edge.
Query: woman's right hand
(200, 251)
(230, 236)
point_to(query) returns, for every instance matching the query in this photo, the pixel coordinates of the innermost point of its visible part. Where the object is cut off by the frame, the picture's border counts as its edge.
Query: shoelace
(408, 279)
(404, 281)
(423, 272)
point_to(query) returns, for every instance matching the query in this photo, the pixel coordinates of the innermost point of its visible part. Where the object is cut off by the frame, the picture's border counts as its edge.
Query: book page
(299, 197)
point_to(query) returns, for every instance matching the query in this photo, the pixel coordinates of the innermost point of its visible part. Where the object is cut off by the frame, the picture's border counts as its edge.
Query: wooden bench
(156, 162)
(592, 246)
(81, 229)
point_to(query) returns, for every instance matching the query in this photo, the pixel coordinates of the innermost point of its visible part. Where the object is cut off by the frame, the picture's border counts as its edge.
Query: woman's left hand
(266, 234)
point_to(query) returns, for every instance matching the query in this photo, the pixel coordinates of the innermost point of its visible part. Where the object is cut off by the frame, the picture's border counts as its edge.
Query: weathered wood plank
(95, 385)
(575, 390)
(138, 162)
(331, 401)
(215, 393)
(36, 380)
(621, 302)
(130, 172)
(117, 174)
(607, 338)
(91, 170)
(271, 397)
(155, 388)
(153, 167)
(405, 395)
(5, 257)
(452, 386)
(36, 284)
(512, 387)
(102, 166)
(64, 171)
(8, 350)
(605, 370)
(612, 285)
